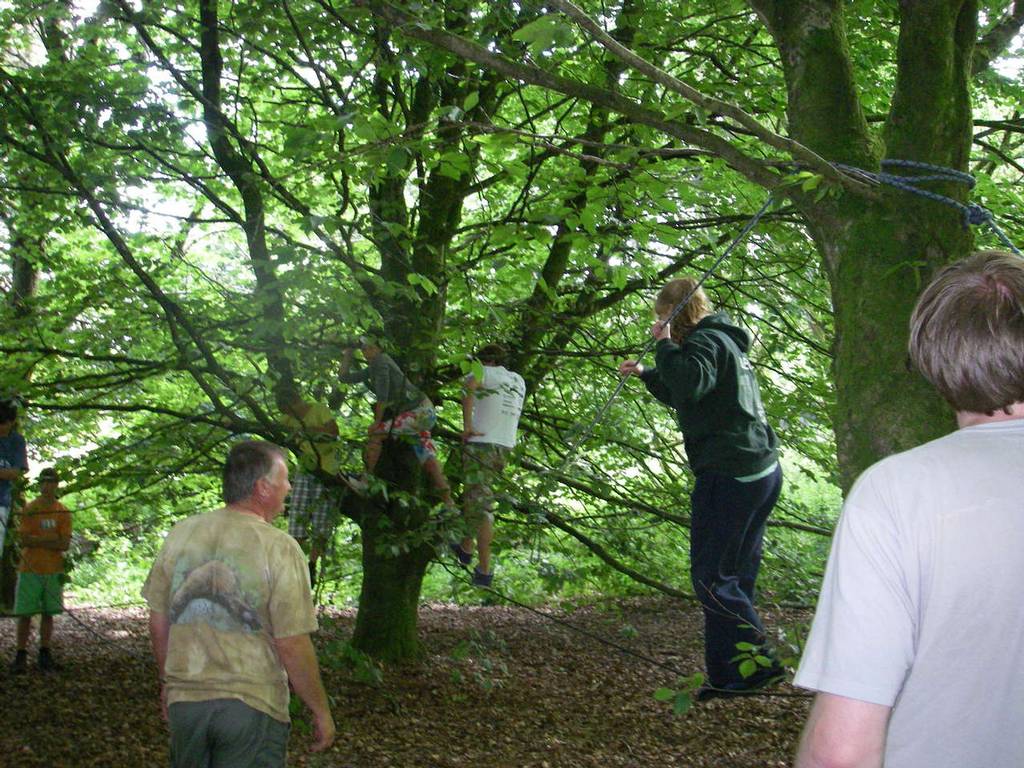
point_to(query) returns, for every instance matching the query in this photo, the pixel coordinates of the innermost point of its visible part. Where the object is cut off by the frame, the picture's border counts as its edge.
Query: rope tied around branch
(972, 214)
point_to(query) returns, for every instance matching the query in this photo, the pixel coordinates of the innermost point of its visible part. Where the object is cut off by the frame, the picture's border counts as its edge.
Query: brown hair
(697, 308)
(247, 462)
(967, 332)
(493, 353)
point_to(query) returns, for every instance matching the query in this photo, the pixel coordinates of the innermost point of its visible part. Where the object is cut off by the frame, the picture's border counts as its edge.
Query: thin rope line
(605, 641)
(603, 410)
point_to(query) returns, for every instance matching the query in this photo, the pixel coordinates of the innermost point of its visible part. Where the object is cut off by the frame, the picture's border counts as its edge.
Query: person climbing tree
(401, 409)
(702, 371)
(490, 416)
(314, 509)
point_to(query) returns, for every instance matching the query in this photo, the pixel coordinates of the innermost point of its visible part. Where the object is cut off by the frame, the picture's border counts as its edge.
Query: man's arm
(159, 634)
(299, 660)
(345, 373)
(11, 473)
(843, 733)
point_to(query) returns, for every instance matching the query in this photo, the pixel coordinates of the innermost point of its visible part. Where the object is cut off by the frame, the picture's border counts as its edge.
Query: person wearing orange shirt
(45, 533)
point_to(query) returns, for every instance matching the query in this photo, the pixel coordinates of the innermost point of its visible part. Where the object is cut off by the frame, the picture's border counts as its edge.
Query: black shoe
(482, 579)
(20, 665)
(46, 662)
(462, 555)
(763, 678)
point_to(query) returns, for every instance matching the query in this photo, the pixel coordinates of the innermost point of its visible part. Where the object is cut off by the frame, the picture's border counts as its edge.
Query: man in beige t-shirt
(230, 622)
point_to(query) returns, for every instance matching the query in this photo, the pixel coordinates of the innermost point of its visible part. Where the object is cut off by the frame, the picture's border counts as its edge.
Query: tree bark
(877, 255)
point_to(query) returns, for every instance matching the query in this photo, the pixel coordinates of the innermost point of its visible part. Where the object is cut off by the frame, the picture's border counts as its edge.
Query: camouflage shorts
(482, 464)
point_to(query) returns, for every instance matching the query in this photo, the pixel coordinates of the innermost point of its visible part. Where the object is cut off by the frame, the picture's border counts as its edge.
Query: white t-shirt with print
(497, 404)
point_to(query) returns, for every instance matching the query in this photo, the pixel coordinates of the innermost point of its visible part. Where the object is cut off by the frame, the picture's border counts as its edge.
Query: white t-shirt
(497, 403)
(921, 605)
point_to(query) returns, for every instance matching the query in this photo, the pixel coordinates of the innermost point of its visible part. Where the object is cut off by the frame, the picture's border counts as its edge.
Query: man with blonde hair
(916, 644)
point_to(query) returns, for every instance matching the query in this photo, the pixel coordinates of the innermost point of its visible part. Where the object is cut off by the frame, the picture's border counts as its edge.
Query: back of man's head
(495, 354)
(967, 332)
(247, 462)
(8, 411)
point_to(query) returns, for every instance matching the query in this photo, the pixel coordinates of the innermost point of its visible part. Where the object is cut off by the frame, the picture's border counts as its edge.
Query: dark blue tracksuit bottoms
(727, 528)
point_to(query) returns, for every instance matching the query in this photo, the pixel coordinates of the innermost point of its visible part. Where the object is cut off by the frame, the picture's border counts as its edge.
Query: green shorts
(482, 465)
(39, 593)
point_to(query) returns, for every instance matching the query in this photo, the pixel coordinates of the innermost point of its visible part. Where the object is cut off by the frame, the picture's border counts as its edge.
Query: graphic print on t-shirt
(210, 594)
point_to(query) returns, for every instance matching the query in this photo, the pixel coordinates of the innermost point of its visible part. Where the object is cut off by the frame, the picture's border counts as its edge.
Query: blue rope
(570, 455)
(972, 213)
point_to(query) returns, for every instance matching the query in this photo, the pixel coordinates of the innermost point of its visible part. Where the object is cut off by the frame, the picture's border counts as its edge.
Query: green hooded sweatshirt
(710, 383)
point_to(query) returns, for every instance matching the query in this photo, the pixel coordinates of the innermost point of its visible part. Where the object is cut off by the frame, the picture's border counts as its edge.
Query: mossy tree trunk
(395, 555)
(878, 254)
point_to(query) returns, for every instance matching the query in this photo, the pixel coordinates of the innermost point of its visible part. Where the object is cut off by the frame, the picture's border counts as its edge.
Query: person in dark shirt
(703, 373)
(13, 462)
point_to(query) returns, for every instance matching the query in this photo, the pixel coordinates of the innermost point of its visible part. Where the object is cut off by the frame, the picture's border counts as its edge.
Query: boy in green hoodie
(702, 371)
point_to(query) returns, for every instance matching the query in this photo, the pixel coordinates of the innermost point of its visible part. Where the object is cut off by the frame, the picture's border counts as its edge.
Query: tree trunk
(386, 623)
(888, 253)
(878, 255)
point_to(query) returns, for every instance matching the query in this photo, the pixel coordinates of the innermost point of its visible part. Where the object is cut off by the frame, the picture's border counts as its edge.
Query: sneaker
(357, 483)
(482, 579)
(464, 557)
(766, 678)
(20, 665)
(46, 661)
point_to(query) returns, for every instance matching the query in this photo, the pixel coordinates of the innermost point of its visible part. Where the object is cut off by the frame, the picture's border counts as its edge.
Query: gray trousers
(225, 733)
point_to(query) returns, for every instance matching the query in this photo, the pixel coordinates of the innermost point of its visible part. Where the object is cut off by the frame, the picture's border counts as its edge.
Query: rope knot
(976, 215)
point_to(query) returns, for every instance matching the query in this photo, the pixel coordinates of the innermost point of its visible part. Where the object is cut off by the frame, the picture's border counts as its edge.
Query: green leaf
(664, 694)
(748, 667)
(544, 33)
(478, 370)
(682, 703)
(422, 281)
(397, 158)
(454, 165)
(471, 101)
(461, 651)
(811, 182)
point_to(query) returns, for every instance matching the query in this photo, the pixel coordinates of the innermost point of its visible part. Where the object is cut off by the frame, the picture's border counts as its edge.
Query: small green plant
(681, 697)
(298, 716)
(628, 631)
(339, 654)
(479, 653)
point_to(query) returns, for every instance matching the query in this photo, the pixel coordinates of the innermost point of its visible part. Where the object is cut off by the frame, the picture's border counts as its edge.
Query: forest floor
(497, 686)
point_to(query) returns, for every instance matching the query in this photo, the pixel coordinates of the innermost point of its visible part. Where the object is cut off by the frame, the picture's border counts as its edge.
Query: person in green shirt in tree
(703, 372)
(313, 507)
